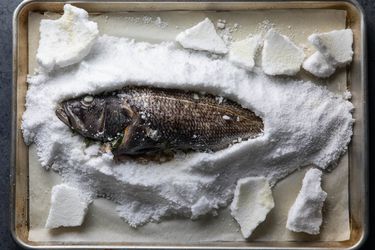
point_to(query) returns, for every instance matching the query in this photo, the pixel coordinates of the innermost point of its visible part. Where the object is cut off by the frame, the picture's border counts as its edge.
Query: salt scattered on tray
(251, 203)
(242, 53)
(202, 36)
(317, 65)
(68, 207)
(67, 40)
(280, 56)
(305, 215)
(335, 46)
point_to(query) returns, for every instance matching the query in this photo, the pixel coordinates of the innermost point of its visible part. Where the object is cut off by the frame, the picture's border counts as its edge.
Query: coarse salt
(335, 46)
(202, 36)
(68, 207)
(280, 56)
(305, 215)
(317, 65)
(175, 187)
(242, 53)
(67, 40)
(251, 203)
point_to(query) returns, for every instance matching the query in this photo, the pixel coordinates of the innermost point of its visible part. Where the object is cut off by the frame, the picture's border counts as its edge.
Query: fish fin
(136, 141)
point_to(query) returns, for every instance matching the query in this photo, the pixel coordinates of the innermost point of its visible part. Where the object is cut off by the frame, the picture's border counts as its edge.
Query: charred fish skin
(153, 119)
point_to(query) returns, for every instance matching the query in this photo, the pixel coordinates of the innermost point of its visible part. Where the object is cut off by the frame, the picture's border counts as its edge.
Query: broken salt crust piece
(68, 207)
(242, 53)
(317, 65)
(335, 46)
(251, 203)
(201, 207)
(280, 56)
(202, 36)
(305, 215)
(67, 40)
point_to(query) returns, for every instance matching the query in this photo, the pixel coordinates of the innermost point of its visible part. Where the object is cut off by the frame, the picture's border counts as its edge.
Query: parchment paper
(102, 224)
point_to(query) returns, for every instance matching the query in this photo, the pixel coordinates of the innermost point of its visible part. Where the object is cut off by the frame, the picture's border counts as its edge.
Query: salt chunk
(305, 215)
(347, 95)
(335, 46)
(317, 65)
(280, 56)
(251, 203)
(242, 53)
(67, 40)
(220, 25)
(68, 207)
(201, 207)
(202, 36)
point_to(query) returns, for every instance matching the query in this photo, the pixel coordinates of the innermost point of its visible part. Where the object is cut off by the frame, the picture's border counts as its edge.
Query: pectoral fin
(136, 141)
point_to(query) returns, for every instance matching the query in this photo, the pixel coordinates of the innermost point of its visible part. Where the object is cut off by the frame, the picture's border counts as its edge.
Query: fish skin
(154, 119)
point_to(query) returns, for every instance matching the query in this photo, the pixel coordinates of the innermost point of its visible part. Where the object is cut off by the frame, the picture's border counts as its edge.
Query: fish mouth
(61, 114)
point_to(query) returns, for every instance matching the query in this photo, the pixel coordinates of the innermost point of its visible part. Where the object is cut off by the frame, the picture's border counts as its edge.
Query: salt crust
(251, 203)
(280, 56)
(305, 215)
(67, 40)
(202, 36)
(304, 124)
(335, 46)
(317, 65)
(242, 53)
(68, 207)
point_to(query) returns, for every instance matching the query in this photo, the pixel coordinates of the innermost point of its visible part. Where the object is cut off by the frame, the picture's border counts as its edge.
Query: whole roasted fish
(144, 120)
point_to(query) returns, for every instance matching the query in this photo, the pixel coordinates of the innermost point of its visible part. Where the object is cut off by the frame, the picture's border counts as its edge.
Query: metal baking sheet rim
(358, 149)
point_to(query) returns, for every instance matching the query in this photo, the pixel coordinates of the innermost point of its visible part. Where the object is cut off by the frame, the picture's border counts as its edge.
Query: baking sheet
(102, 223)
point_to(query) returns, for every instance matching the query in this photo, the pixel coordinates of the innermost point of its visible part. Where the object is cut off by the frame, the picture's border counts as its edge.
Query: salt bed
(304, 124)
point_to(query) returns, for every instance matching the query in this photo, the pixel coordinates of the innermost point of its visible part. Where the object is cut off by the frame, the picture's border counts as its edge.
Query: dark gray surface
(6, 10)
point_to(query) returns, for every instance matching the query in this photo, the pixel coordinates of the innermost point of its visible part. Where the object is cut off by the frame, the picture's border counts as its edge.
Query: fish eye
(87, 100)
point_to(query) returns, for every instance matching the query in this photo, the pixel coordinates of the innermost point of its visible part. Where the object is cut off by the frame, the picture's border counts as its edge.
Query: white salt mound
(280, 56)
(68, 207)
(305, 215)
(202, 36)
(251, 203)
(67, 40)
(242, 53)
(335, 46)
(317, 65)
(324, 128)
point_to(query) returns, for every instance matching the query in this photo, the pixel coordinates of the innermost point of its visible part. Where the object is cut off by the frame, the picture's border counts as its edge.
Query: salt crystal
(201, 207)
(305, 215)
(68, 207)
(251, 203)
(67, 40)
(242, 53)
(280, 56)
(335, 46)
(220, 25)
(202, 36)
(347, 95)
(317, 65)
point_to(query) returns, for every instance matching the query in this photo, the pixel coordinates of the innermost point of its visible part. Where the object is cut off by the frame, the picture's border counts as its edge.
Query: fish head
(84, 115)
